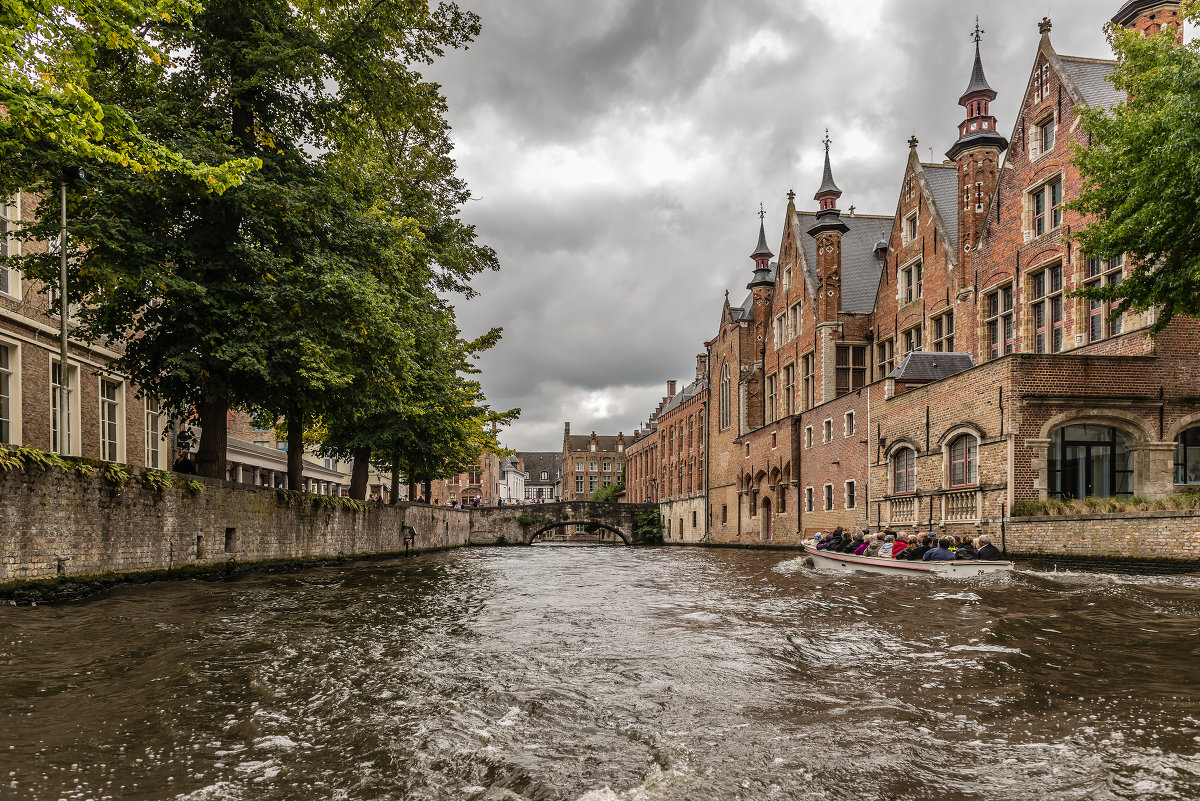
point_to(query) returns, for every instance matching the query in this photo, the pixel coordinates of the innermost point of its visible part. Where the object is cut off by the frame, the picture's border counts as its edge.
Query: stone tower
(828, 232)
(977, 154)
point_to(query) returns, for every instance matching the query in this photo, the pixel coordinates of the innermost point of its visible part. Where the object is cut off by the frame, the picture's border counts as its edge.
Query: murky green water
(604, 673)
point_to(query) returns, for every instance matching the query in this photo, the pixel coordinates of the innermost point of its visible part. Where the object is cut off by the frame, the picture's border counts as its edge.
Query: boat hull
(848, 563)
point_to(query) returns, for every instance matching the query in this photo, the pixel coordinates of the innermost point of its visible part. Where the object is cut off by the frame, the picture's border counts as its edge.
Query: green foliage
(526, 520)
(26, 458)
(566, 515)
(607, 494)
(156, 481)
(191, 486)
(1054, 507)
(297, 498)
(649, 527)
(49, 56)
(115, 475)
(1142, 178)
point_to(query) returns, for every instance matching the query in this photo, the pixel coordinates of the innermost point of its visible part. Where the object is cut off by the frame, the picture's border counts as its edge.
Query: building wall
(580, 451)
(642, 469)
(1167, 536)
(684, 521)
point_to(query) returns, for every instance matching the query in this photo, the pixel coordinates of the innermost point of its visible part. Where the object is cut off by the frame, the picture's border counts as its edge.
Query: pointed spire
(762, 251)
(979, 85)
(828, 187)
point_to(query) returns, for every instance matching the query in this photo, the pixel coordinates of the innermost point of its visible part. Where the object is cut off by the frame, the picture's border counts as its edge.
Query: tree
(209, 292)
(49, 52)
(1142, 176)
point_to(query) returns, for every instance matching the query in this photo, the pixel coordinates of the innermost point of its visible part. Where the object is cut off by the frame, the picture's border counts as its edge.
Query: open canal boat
(849, 563)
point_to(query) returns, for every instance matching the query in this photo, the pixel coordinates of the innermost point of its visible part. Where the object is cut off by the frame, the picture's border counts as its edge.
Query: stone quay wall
(1160, 536)
(57, 522)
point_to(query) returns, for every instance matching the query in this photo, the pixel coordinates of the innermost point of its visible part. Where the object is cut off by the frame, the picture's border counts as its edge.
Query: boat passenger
(964, 549)
(987, 552)
(852, 542)
(876, 544)
(864, 540)
(889, 545)
(924, 546)
(941, 553)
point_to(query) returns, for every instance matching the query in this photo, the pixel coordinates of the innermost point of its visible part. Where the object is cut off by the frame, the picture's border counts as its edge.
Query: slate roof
(979, 82)
(1130, 11)
(921, 366)
(827, 183)
(1091, 76)
(944, 183)
(746, 310)
(860, 269)
(762, 249)
(689, 392)
(538, 461)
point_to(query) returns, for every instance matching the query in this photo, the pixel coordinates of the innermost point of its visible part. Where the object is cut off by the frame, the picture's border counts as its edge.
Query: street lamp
(72, 176)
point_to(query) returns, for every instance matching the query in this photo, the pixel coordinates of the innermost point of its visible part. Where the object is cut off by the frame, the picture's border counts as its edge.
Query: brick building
(590, 462)
(929, 369)
(545, 472)
(479, 485)
(107, 417)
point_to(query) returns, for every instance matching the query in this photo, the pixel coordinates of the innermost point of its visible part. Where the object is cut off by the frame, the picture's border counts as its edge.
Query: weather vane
(762, 213)
(979, 32)
(827, 140)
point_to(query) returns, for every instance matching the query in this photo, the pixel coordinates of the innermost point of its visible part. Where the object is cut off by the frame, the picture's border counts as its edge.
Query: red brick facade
(815, 419)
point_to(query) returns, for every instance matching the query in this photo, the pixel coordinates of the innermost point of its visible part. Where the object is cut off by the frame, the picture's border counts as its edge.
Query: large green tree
(1141, 175)
(53, 113)
(261, 297)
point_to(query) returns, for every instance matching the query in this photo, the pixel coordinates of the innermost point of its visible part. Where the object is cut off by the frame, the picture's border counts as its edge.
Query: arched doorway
(766, 520)
(1090, 461)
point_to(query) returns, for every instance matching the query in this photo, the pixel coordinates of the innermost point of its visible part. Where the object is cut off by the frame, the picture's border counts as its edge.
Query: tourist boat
(849, 563)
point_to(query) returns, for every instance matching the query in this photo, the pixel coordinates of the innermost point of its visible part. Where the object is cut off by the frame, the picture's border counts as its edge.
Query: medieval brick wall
(1168, 536)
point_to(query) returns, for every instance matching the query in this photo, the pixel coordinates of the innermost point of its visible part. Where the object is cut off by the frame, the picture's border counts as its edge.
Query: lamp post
(70, 175)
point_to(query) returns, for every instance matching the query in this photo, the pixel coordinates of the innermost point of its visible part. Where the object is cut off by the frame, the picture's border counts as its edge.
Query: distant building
(544, 470)
(512, 481)
(591, 462)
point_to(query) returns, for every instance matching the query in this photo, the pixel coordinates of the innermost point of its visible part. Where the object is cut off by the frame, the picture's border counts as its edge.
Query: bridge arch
(521, 525)
(567, 524)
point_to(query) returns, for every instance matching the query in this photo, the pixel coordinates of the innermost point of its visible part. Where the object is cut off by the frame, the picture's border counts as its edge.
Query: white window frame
(828, 499)
(849, 424)
(74, 418)
(10, 245)
(1053, 215)
(810, 503)
(117, 407)
(154, 440)
(1037, 142)
(827, 430)
(911, 281)
(911, 228)
(780, 330)
(14, 391)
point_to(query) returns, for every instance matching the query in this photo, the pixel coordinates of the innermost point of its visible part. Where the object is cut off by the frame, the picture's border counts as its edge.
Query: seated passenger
(941, 553)
(876, 544)
(864, 542)
(987, 552)
(851, 543)
(910, 547)
(964, 549)
(923, 547)
(889, 546)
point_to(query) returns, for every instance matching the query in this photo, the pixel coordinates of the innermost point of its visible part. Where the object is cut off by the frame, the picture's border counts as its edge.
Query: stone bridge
(521, 525)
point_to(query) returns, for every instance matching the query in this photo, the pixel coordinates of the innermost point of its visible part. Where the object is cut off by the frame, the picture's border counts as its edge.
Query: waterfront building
(591, 462)
(544, 471)
(511, 488)
(929, 369)
(480, 484)
(107, 417)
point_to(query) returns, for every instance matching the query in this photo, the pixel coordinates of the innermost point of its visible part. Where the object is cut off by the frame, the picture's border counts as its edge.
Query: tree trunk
(412, 489)
(428, 487)
(214, 437)
(395, 499)
(358, 474)
(295, 452)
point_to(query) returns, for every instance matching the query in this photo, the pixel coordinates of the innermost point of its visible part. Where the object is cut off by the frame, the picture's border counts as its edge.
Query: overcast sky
(618, 150)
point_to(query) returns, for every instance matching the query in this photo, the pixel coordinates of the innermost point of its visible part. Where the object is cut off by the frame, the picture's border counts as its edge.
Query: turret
(1151, 16)
(977, 152)
(762, 256)
(828, 232)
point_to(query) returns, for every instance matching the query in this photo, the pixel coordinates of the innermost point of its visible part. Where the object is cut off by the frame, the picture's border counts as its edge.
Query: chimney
(567, 429)
(701, 366)
(670, 389)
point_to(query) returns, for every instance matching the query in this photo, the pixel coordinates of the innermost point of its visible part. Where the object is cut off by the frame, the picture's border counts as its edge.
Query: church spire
(829, 192)
(762, 255)
(979, 128)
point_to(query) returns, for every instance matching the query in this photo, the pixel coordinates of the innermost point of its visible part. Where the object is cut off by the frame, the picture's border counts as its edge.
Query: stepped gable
(861, 270)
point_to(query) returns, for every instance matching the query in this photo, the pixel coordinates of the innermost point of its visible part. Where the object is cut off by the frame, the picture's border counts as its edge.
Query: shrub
(649, 527)
(156, 481)
(526, 520)
(115, 475)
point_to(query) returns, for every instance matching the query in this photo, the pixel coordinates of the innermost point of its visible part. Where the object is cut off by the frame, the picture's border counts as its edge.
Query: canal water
(606, 674)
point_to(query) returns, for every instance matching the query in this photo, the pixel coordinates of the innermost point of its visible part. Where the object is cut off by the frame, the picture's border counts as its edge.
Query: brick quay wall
(1151, 536)
(56, 522)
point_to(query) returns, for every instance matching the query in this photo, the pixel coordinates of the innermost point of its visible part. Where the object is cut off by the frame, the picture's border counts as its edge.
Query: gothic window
(943, 333)
(851, 368)
(1090, 461)
(725, 415)
(1046, 292)
(1101, 322)
(999, 323)
(964, 461)
(904, 472)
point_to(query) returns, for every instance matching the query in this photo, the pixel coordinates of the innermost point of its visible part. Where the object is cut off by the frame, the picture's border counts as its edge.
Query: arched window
(1090, 461)
(904, 472)
(964, 461)
(725, 417)
(1187, 457)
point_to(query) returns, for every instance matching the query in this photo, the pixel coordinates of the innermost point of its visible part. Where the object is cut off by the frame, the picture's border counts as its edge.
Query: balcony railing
(962, 506)
(902, 510)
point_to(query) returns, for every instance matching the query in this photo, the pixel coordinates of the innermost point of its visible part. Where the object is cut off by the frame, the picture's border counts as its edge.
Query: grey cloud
(609, 288)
